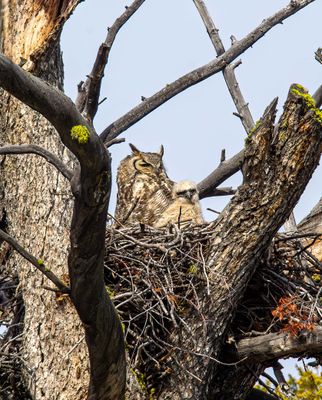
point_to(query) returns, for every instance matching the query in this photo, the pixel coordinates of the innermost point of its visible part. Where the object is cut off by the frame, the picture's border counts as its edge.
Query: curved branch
(280, 345)
(39, 264)
(55, 106)
(200, 74)
(89, 91)
(34, 149)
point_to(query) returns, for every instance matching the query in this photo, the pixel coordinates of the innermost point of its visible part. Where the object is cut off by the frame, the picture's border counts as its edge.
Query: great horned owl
(185, 207)
(144, 189)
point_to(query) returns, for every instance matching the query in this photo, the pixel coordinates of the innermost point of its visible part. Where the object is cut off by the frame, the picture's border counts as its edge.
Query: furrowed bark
(276, 170)
(91, 188)
(38, 204)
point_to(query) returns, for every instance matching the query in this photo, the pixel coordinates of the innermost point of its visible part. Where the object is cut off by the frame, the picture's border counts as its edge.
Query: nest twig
(155, 276)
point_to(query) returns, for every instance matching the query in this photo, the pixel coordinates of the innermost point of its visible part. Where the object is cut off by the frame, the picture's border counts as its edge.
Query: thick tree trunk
(278, 164)
(38, 205)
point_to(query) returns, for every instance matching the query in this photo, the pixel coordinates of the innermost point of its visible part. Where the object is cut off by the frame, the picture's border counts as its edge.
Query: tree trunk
(38, 205)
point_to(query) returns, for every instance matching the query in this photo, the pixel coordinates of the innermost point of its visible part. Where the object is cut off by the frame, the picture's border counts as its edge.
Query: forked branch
(228, 72)
(89, 91)
(201, 73)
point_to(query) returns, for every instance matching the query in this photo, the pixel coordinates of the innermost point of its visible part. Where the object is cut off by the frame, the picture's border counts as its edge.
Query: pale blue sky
(164, 40)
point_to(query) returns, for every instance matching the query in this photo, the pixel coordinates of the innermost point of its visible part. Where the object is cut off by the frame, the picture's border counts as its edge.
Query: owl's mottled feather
(144, 189)
(185, 207)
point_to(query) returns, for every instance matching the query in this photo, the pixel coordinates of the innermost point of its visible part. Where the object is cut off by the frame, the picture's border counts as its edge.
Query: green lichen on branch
(40, 262)
(252, 131)
(299, 90)
(80, 133)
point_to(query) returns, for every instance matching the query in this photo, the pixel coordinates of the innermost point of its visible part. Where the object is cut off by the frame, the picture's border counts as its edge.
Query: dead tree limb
(228, 72)
(89, 91)
(229, 167)
(201, 73)
(278, 164)
(278, 345)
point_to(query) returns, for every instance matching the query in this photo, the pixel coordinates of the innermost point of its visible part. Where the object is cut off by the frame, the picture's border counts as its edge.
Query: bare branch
(221, 191)
(89, 91)
(318, 55)
(200, 74)
(34, 149)
(39, 264)
(226, 169)
(114, 141)
(279, 345)
(228, 72)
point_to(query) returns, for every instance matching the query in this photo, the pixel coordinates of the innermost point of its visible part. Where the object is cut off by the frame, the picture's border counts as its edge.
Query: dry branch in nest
(156, 277)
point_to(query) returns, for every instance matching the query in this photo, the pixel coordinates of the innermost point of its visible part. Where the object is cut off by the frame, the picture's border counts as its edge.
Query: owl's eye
(145, 164)
(139, 164)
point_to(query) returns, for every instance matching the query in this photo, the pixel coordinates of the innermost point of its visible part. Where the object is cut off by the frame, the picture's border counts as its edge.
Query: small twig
(223, 155)
(114, 141)
(318, 55)
(40, 151)
(214, 211)
(268, 377)
(102, 101)
(74, 347)
(39, 264)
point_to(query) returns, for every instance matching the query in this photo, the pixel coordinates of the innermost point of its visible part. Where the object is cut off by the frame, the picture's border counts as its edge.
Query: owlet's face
(186, 191)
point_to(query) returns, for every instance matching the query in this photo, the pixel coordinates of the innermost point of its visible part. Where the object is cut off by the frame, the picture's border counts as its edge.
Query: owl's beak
(189, 194)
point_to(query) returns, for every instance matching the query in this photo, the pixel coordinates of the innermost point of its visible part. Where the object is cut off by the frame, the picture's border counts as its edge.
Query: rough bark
(38, 206)
(276, 170)
(275, 346)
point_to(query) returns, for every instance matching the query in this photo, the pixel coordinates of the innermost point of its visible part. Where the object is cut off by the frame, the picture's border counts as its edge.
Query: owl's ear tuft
(161, 152)
(134, 149)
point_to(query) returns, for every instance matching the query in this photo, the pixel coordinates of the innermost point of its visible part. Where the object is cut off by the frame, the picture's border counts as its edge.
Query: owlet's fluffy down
(185, 207)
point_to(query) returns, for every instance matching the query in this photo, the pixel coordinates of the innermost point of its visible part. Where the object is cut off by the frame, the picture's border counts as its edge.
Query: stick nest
(155, 278)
